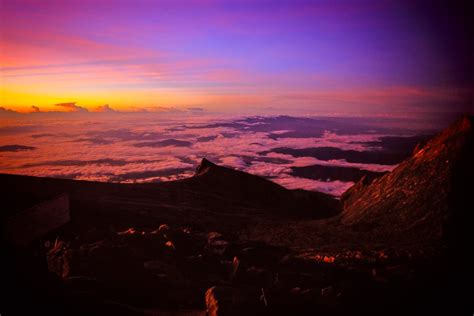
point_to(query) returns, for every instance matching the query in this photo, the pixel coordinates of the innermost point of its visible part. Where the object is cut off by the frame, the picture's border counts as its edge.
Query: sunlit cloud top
(308, 57)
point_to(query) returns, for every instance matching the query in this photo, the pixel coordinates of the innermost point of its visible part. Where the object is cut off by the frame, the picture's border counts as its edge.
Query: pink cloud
(59, 135)
(104, 108)
(335, 188)
(71, 106)
(309, 161)
(233, 161)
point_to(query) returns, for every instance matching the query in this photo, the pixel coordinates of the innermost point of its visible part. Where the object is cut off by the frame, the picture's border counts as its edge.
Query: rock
(235, 267)
(163, 228)
(170, 245)
(216, 244)
(55, 257)
(328, 259)
(187, 230)
(414, 202)
(105, 261)
(213, 235)
(183, 242)
(232, 268)
(263, 297)
(326, 291)
(129, 231)
(220, 300)
(382, 255)
(226, 300)
(68, 261)
(58, 246)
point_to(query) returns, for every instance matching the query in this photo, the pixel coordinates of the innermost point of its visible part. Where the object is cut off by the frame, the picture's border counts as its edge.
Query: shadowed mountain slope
(213, 192)
(240, 186)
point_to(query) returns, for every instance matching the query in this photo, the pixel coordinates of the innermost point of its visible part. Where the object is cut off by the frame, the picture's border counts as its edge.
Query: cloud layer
(309, 153)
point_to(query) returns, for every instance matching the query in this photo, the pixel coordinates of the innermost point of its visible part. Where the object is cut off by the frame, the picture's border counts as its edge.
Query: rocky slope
(425, 197)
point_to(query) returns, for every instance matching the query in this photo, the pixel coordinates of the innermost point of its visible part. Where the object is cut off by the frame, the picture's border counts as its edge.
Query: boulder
(226, 300)
(220, 300)
(215, 243)
(163, 228)
(213, 235)
(184, 243)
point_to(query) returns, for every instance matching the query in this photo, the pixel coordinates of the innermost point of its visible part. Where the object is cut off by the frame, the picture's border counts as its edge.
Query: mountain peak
(464, 123)
(204, 167)
(457, 129)
(236, 185)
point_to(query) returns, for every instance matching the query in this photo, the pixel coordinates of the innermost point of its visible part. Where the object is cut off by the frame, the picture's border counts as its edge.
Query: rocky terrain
(229, 243)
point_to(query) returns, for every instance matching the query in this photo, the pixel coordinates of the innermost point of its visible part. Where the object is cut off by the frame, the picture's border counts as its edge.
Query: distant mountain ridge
(242, 186)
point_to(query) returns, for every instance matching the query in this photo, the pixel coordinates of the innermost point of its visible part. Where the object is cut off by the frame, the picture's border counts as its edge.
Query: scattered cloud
(206, 138)
(15, 148)
(195, 109)
(7, 113)
(335, 188)
(72, 107)
(2, 109)
(105, 109)
(234, 162)
(165, 143)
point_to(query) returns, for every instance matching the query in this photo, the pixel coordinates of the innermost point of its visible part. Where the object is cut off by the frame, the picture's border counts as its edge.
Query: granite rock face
(424, 197)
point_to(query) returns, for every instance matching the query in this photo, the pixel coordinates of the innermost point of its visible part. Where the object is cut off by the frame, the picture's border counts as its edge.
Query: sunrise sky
(317, 57)
(309, 94)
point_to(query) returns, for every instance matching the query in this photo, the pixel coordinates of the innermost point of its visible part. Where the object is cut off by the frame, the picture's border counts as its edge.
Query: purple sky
(312, 57)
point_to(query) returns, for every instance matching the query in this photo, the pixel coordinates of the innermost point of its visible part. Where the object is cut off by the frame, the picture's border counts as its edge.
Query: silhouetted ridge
(204, 166)
(251, 189)
(228, 178)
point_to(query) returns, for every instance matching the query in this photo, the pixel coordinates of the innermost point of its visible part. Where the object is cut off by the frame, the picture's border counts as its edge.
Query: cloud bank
(145, 148)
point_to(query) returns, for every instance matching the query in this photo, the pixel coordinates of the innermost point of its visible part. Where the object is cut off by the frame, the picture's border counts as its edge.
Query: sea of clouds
(153, 147)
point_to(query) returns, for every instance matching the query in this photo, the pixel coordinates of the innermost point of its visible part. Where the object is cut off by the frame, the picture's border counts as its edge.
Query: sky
(309, 94)
(369, 58)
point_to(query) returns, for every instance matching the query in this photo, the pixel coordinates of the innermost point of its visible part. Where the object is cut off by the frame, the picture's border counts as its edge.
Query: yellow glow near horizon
(130, 100)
